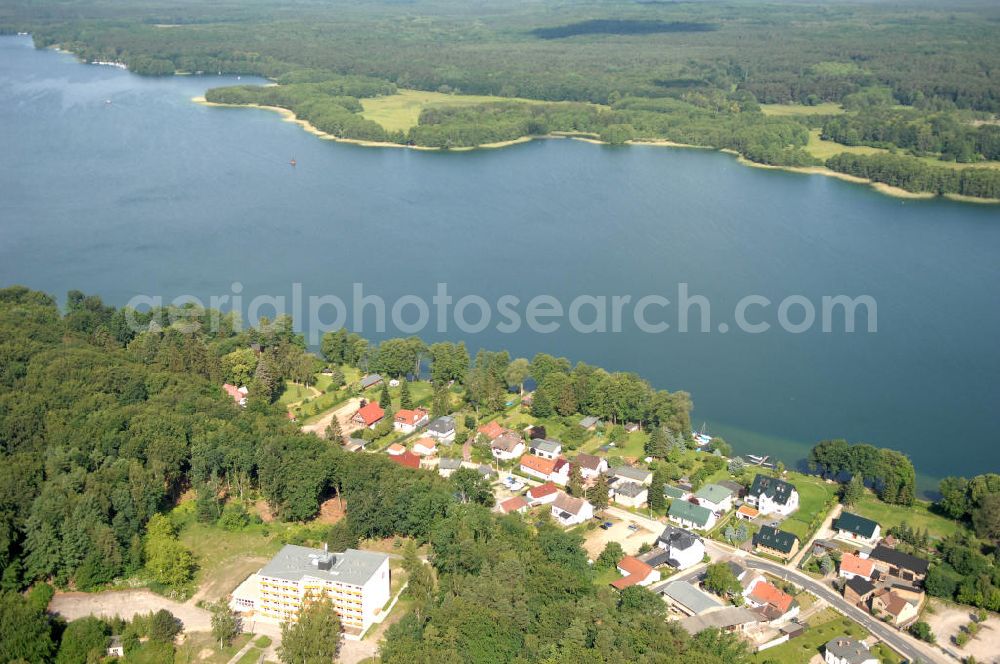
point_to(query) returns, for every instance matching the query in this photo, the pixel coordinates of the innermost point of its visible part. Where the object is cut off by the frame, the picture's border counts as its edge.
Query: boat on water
(700, 437)
(292, 163)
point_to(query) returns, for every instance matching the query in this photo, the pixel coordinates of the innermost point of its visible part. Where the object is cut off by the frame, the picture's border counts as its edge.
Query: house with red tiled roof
(408, 459)
(409, 421)
(852, 566)
(395, 449)
(634, 573)
(543, 493)
(515, 504)
(551, 470)
(369, 415)
(890, 604)
(747, 513)
(425, 447)
(778, 606)
(238, 394)
(492, 431)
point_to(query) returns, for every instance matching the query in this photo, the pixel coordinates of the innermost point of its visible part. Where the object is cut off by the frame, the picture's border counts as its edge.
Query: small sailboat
(107, 102)
(292, 163)
(700, 437)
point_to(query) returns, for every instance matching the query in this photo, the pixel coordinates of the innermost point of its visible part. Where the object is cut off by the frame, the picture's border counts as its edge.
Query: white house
(630, 494)
(852, 566)
(843, 650)
(689, 515)
(569, 511)
(857, 529)
(425, 447)
(715, 497)
(548, 470)
(634, 573)
(544, 448)
(590, 466)
(773, 496)
(442, 429)
(684, 548)
(409, 421)
(632, 474)
(543, 494)
(507, 446)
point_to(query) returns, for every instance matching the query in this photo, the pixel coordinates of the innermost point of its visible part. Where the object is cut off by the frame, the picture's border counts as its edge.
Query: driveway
(127, 603)
(825, 531)
(344, 412)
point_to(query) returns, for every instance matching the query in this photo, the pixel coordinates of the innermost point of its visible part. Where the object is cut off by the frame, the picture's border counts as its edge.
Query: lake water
(153, 194)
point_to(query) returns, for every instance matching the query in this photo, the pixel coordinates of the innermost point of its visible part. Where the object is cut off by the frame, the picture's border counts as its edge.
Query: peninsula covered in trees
(904, 94)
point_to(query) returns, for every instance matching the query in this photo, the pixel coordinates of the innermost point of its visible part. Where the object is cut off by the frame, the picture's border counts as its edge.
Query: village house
(858, 591)
(442, 429)
(903, 566)
(395, 449)
(857, 529)
(569, 511)
(778, 606)
(747, 513)
(843, 650)
(684, 548)
(425, 447)
(551, 470)
(507, 446)
(116, 647)
(407, 458)
(409, 421)
(854, 566)
(590, 466)
(589, 423)
(355, 444)
(543, 494)
(544, 448)
(238, 394)
(887, 603)
(689, 515)
(634, 573)
(732, 619)
(632, 474)
(671, 492)
(369, 415)
(371, 380)
(688, 599)
(492, 430)
(515, 504)
(446, 467)
(778, 543)
(715, 497)
(630, 494)
(771, 495)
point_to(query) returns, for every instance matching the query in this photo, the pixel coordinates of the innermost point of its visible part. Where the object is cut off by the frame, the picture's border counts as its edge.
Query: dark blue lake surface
(152, 194)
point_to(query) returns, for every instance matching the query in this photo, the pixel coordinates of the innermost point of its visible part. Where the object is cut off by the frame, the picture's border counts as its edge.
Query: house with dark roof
(448, 466)
(853, 528)
(589, 422)
(684, 548)
(858, 591)
(779, 543)
(689, 515)
(771, 495)
(892, 562)
(590, 465)
(569, 511)
(442, 429)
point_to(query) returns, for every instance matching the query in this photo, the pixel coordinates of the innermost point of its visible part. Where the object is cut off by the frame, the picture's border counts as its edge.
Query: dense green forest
(917, 76)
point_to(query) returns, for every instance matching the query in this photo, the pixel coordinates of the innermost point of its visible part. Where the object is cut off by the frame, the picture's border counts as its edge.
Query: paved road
(909, 647)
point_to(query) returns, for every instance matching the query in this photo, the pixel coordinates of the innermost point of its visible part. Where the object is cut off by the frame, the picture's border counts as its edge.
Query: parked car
(606, 525)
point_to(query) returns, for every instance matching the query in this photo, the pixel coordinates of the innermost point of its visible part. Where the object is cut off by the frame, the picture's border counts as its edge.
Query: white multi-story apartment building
(356, 581)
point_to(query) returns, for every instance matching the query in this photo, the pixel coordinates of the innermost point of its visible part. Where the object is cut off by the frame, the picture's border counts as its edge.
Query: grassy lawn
(195, 643)
(823, 627)
(401, 110)
(295, 392)
(828, 108)
(824, 149)
(813, 496)
(917, 516)
(605, 576)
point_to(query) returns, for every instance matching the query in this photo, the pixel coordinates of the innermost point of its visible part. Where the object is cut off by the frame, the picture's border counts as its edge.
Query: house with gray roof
(729, 619)
(589, 422)
(843, 650)
(448, 466)
(371, 380)
(688, 599)
(442, 429)
(632, 474)
(545, 448)
(630, 494)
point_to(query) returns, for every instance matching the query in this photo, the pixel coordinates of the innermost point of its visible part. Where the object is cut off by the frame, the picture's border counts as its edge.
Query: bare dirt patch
(331, 511)
(343, 413)
(127, 603)
(947, 621)
(263, 511)
(619, 531)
